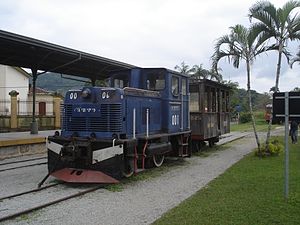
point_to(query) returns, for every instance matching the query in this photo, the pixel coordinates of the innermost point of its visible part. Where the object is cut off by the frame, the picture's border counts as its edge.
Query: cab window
(175, 86)
(183, 86)
(155, 81)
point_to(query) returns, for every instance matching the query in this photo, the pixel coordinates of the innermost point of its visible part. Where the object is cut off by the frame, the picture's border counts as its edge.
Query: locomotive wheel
(128, 168)
(158, 160)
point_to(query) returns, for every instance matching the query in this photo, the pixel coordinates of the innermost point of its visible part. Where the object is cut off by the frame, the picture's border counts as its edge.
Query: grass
(170, 163)
(261, 124)
(250, 192)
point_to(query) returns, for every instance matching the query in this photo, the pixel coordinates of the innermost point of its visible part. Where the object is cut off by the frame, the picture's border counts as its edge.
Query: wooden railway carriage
(209, 111)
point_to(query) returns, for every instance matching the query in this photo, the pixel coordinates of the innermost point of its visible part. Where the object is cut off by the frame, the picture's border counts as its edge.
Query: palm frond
(184, 68)
(265, 12)
(295, 59)
(286, 9)
(293, 28)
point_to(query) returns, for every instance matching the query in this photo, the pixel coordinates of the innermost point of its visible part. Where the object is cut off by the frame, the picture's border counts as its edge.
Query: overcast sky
(146, 33)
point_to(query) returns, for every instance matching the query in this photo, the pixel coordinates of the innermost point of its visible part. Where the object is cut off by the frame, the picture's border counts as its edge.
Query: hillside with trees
(59, 83)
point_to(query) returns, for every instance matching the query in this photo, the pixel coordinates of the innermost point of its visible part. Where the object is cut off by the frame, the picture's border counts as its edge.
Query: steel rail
(20, 161)
(14, 215)
(28, 192)
(18, 167)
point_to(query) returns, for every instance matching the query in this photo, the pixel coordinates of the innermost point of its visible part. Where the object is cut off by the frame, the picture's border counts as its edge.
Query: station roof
(26, 52)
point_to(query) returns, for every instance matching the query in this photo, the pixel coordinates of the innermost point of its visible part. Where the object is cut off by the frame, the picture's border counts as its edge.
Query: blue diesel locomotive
(109, 132)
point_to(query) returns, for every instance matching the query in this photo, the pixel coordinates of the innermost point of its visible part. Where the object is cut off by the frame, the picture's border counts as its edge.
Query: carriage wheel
(211, 143)
(158, 160)
(128, 168)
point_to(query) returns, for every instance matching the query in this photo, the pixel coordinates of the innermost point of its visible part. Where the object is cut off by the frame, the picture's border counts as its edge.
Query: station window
(183, 86)
(175, 86)
(155, 81)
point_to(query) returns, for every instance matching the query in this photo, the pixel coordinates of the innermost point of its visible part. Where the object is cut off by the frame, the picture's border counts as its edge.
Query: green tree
(200, 73)
(184, 68)
(280, 25)
(239, 45)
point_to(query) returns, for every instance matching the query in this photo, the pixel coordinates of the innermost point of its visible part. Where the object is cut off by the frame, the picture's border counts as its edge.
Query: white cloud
(156, 33)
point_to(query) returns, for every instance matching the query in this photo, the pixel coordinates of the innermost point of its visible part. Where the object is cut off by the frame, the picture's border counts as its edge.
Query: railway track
(24, 160)
(38, 198)
(27, 192)
(22, 163)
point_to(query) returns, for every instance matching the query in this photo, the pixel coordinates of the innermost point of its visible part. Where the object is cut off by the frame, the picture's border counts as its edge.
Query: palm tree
(239, 45)
(184, 69)
(279, 24)
(201, 73)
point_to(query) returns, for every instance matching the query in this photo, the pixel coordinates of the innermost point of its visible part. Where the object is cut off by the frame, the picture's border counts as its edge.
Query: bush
(275, 148)
(245, 117)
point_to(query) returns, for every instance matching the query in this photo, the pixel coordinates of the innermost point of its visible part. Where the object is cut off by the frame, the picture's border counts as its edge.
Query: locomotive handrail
(133, 125)
(141, 92)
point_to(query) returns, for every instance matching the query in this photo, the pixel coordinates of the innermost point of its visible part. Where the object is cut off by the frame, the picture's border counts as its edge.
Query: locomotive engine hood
(93, 111)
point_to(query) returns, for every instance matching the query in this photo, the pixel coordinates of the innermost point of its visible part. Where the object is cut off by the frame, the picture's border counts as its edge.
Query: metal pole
(34, 126)
(147, 122)
(133, 128)
(181, 128)
(286, 177)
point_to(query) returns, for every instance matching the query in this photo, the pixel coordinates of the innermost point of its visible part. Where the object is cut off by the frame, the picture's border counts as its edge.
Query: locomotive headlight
(105, 94)
(86, 93)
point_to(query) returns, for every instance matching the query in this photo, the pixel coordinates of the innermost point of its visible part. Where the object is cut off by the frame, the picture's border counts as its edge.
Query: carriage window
(155, 81)
(213, 103)
(218, 100)
(175, 86)
(183, 86)
(194, 102)
(206, 96)
(227, 101)
(223, 102)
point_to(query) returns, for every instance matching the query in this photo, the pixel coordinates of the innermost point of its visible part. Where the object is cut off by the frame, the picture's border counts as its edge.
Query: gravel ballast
(142, 202)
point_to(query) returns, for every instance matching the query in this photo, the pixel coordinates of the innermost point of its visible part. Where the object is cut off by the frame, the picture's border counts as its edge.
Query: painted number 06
(73, 95)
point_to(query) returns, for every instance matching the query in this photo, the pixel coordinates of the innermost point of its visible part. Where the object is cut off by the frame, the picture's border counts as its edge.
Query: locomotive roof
(170, 71)
(26, 52)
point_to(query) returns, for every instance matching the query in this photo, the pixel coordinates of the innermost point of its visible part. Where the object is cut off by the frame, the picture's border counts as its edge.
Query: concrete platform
(15, 144)
(19, 138)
